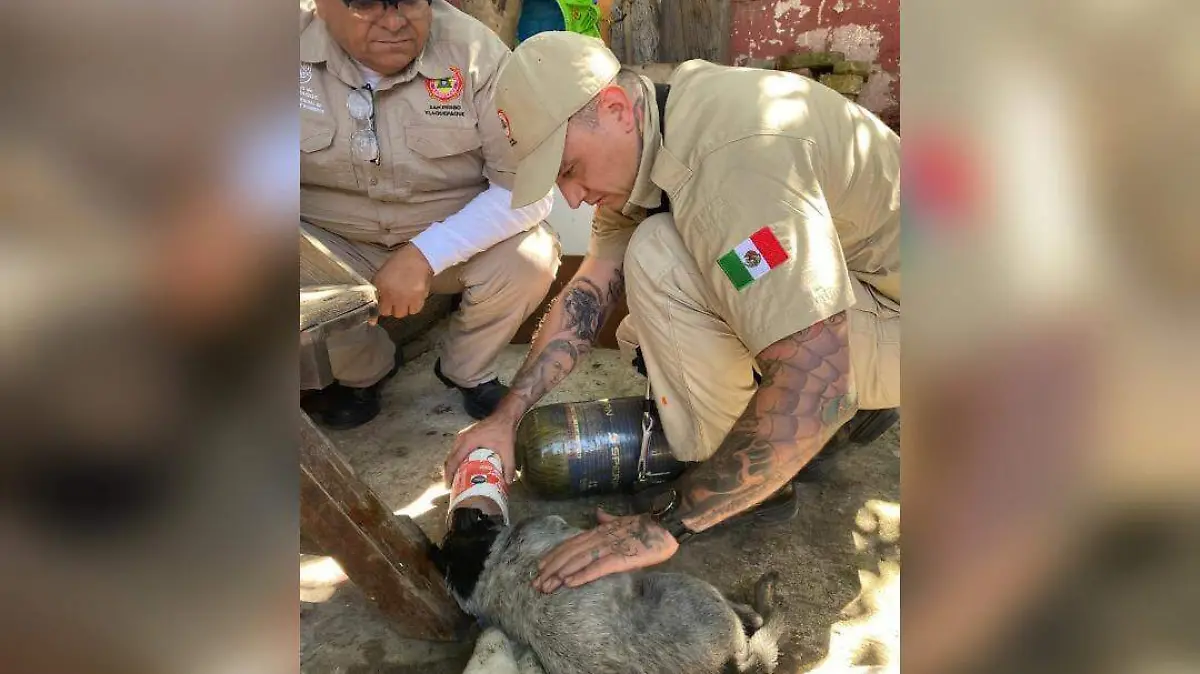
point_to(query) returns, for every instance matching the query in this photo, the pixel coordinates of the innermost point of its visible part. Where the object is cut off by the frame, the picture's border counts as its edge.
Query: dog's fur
(639, 622)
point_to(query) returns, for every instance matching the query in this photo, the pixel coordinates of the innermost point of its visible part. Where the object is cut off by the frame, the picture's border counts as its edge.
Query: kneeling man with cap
(753, 218)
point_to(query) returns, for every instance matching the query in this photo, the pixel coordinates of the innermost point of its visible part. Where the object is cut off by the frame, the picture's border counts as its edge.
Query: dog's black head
(465, 549)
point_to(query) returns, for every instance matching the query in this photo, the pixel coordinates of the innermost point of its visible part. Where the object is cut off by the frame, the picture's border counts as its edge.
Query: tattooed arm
(807, 392)
(565, 335)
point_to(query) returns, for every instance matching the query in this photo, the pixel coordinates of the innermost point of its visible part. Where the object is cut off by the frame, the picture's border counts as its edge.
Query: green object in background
(576, 16)
(581, 16)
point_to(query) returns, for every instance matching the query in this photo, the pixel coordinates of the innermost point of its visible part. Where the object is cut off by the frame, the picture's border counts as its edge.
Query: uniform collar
(318, 46)
(645, 193)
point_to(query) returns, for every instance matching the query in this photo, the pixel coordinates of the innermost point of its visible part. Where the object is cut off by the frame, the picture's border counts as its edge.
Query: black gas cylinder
(567, 450)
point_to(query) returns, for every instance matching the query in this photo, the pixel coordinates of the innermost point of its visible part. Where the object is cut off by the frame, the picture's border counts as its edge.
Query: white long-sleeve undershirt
(484, 222)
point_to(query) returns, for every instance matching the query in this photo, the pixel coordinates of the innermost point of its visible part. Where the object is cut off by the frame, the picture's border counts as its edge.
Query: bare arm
(807, 392)
(566, 334)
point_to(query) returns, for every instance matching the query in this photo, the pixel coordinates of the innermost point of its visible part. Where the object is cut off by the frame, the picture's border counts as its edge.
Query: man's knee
(527, 267)
(653, 249)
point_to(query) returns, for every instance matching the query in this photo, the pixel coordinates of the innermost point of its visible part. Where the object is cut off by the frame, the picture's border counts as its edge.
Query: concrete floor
(839, 559)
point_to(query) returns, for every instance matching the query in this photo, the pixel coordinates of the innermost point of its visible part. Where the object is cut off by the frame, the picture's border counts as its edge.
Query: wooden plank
(694, 29)
(499, 15)
(634, 36)
(384, 555)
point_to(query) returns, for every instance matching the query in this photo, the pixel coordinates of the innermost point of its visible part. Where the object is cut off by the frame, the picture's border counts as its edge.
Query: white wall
(573, 227)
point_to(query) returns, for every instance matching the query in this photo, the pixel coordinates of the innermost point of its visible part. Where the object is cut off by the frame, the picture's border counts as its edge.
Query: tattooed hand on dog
(618, 544)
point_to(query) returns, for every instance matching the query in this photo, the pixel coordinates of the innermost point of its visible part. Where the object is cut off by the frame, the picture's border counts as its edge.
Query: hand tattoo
(618, 543)
(640, 529)
(644, 532)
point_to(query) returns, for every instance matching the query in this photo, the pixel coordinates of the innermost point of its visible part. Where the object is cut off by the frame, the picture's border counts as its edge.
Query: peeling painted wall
(866, 30)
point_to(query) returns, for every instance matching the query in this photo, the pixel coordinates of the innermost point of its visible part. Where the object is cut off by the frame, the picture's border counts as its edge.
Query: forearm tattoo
(807, 392)
(576, 319)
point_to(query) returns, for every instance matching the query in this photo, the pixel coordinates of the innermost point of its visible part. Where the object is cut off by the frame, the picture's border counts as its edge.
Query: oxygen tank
(568, 450)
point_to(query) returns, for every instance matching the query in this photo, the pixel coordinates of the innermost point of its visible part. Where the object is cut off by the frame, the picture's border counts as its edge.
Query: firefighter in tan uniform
(405, 173)
(756, 230)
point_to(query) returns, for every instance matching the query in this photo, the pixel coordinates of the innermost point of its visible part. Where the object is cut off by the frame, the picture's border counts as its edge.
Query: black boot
(867, 425)
(341, 408)
(480, 400)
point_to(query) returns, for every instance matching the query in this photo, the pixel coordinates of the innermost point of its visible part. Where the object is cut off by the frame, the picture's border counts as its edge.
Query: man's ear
(615, 101)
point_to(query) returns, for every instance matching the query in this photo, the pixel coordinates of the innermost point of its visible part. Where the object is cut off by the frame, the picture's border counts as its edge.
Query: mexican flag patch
(751, 259)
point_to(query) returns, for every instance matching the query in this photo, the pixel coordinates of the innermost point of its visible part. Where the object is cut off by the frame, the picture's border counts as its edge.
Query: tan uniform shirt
(440, 138)
(820, 172)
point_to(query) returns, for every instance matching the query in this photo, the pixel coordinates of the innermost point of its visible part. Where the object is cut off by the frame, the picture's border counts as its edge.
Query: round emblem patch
(305, 73)
(505, 123)
(752, 258)
(446, 89)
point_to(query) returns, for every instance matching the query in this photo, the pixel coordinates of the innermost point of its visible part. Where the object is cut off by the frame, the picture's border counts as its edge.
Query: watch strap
(667, 516)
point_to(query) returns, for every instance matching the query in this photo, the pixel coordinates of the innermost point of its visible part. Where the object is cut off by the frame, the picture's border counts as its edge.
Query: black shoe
(863, 428)
(479, 401)
(341, 408)
(867, 425)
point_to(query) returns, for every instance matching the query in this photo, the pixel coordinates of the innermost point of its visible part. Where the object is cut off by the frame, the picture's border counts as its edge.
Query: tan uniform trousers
(501, 287)
(700, 371)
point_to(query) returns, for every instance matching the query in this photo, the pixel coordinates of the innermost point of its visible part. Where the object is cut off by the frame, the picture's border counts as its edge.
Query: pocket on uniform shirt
(433, 142)
(316, 138)
(875, 347)
(321, 163)
(442, 158)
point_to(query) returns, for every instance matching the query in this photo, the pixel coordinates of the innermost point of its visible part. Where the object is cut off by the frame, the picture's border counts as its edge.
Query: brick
(817, 61)
(852, 68)
(764, 64)
(802, 71)
(850, 85)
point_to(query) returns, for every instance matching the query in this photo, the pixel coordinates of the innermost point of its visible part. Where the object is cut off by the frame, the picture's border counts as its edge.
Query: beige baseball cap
(548, 78)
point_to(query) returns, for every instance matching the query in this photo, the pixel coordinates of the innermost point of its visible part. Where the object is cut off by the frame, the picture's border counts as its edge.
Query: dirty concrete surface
(838, 559)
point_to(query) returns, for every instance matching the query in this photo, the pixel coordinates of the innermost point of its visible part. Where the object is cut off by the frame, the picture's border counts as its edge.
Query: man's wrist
(417, 257)
(667, 516)
(422, 249)
(510, 410)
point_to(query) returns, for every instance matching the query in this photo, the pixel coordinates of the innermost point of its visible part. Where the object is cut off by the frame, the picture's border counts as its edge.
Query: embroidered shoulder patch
(751, 259)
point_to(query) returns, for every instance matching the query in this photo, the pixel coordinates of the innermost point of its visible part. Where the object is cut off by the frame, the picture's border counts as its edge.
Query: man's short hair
(589, 113)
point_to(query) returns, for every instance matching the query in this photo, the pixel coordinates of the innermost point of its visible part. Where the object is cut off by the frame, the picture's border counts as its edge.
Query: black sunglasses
(372, 10)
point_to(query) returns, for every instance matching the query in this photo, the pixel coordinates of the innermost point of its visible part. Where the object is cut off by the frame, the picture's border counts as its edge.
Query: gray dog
(627, 623)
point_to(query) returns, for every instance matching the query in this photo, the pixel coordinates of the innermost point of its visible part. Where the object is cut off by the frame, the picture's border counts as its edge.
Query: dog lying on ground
(642, 622)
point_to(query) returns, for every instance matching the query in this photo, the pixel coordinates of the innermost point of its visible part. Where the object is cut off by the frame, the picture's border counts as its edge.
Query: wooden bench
(385, 555)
